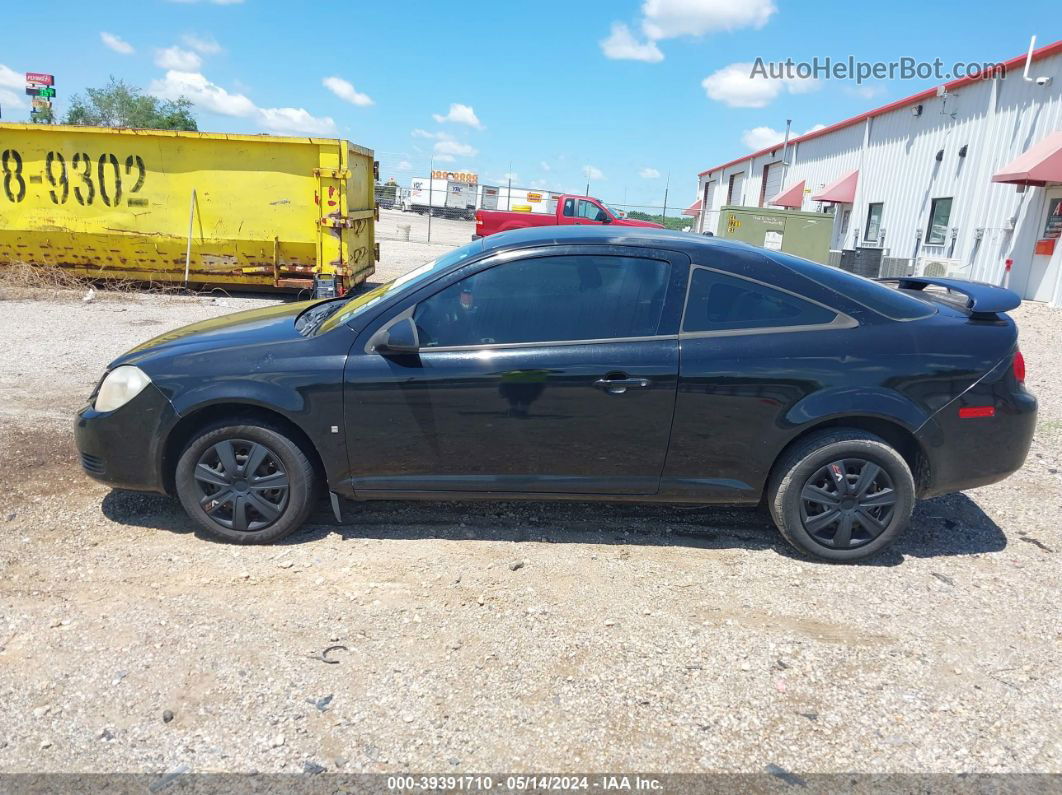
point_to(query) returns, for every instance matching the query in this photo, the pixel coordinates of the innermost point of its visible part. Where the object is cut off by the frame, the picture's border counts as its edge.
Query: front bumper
(124, 447)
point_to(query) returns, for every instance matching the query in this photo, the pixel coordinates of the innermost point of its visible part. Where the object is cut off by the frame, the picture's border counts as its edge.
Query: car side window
(547, 299)
(590, 211)
(718, 302)
(569, 208)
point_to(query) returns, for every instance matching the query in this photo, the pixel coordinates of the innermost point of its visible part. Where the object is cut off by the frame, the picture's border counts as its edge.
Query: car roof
(609, 235)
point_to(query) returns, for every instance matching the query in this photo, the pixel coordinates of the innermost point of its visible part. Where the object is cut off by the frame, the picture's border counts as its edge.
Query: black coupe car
(581, 363)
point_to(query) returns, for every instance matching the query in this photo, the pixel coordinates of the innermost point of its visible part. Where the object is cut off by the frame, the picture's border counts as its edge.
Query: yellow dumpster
(251, 211)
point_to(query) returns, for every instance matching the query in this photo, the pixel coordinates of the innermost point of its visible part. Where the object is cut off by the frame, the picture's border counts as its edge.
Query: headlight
(121, 385)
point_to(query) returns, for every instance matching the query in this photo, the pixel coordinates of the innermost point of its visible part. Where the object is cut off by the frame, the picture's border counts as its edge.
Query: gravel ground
(504, 636)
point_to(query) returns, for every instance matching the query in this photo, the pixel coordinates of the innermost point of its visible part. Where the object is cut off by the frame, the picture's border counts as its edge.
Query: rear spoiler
(983, 300)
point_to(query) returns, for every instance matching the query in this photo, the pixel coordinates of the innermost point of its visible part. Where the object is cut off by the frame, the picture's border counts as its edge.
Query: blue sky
(554, 88)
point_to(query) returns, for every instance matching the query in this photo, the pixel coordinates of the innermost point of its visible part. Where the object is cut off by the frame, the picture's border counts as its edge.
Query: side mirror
(607, 219)
(399, 337)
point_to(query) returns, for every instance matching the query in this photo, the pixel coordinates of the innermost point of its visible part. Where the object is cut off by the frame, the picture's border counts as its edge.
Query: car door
(543, 373)
(567, 214)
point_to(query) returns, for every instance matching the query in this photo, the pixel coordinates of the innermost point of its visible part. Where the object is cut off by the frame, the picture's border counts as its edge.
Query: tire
(865, 483)
(251, 507)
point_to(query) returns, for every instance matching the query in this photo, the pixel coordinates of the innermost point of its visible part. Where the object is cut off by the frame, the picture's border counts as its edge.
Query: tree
(122, 105)
(46, 116)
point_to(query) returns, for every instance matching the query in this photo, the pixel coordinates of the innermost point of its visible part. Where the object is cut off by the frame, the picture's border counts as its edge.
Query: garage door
(708, 211)
(771, 185)
(737, 183)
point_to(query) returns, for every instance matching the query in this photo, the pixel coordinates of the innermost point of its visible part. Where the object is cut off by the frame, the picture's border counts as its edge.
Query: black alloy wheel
(246, 481)
(847, 503)
(242, 485)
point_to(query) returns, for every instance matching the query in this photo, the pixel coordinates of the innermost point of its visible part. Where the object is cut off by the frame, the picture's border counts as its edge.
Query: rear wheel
(842, 495)
(248, 484)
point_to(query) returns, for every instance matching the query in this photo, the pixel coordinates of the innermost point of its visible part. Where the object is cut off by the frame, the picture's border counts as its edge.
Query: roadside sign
(41, 104)
(40, 91)
(40, 78)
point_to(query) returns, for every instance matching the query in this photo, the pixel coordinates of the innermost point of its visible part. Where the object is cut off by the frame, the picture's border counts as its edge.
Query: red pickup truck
(570, 210)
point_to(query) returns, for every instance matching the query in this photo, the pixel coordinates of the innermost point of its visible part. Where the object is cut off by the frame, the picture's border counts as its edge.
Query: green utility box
(798, 233)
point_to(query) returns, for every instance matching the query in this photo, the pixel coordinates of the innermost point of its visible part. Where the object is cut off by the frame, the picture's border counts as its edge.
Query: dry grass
(22, 281)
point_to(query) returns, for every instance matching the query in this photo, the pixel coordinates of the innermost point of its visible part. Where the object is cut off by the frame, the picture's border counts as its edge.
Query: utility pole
(587, 181)
(509, 190)
(431, 182)
(667, 185)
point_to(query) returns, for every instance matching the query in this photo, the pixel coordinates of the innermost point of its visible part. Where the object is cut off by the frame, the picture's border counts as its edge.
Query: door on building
(842, 217)
(1042, 278)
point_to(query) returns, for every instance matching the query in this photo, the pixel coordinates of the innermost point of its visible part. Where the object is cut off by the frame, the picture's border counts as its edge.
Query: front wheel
(246, 483)
(841, 495)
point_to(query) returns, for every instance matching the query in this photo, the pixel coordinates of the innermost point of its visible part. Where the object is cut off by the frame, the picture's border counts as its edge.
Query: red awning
(841, 192)
(694, 209)
(792, 198)
(1038, 165)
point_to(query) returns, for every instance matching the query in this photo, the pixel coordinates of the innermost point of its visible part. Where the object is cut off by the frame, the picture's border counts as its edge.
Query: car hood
(253, 327)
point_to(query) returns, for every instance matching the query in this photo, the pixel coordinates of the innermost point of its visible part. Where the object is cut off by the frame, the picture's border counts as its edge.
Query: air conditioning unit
(942, 267)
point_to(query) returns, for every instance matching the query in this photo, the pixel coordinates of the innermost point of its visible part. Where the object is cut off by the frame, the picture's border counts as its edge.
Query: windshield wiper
(310, 320)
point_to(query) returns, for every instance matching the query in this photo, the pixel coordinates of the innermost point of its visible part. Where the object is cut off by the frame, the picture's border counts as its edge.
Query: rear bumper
(124, 447)
(967, 453)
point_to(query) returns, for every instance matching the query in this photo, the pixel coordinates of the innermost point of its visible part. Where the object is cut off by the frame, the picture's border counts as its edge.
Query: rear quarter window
(873, 295)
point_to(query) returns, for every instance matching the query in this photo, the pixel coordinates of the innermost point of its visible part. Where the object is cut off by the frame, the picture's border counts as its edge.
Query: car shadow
(941, 527)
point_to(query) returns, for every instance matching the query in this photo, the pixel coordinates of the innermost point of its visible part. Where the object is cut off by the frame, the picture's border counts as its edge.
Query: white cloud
(546, 166)
(649, 173)
(668, 19)
(593, 172)
(459, 114)
(296, 120)
(212, 97)
(439, 136)
(205, 45)
(865, 90)
(763, 137)
(450, 148)
(9, 78)
(202, 93)
(404, 165)
(12, 84)
(445, 158)
(177, 59)
(345, 90)
(508, 175)
(116, 43)
(735, 85)
(621, 45)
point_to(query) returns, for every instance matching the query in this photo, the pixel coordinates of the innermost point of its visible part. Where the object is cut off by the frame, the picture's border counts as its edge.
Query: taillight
(1019, 367)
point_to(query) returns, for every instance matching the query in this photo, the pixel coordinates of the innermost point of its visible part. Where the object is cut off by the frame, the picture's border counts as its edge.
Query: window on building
(939, 216)
(873, 230)
(724, 303)
(547, 299)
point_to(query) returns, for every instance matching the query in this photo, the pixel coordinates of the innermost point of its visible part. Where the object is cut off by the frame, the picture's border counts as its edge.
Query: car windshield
(359, 303)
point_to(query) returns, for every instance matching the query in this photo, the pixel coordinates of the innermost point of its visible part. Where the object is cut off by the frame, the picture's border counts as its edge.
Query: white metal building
(963, 180)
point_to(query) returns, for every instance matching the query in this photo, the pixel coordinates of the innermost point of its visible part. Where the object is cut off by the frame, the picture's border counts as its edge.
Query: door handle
(617, 386)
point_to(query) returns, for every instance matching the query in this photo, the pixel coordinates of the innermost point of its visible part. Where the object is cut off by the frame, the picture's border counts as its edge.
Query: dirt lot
(504, 637)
